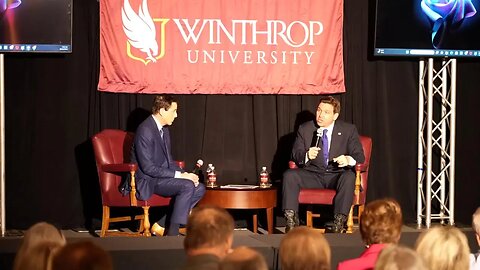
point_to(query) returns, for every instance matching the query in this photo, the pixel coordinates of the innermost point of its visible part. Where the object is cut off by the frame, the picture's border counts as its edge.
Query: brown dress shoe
(157, 229)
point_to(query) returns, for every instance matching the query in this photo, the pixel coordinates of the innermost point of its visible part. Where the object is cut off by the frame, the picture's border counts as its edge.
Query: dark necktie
(325, 147)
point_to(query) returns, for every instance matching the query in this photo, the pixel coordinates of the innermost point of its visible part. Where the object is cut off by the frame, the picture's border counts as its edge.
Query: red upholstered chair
(325, 196)
(112, 154)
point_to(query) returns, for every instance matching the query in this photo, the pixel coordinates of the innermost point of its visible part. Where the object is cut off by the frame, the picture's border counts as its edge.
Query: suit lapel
(166, 143)
(337, 137)
(158, 137)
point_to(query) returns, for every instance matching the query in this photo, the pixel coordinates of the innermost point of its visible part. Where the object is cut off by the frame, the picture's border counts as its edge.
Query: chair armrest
(362, 167)
(121, 167)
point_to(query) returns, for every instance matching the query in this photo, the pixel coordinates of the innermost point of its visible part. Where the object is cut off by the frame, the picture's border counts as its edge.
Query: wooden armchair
(325, 196)
(112, 154)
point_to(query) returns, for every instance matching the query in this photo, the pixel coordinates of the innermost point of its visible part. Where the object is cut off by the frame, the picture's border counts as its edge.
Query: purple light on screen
(446, 14)
(6, 4)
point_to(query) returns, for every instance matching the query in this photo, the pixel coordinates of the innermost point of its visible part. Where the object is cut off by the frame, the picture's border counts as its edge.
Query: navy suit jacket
(153, 156)
(345, 141)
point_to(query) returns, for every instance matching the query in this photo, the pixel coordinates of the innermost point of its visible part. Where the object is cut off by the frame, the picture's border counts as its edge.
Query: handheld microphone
(197, 167)
(319, 134)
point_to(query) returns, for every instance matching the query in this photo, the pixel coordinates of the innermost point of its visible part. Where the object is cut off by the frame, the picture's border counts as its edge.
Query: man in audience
(474, 258)
(380, 224)
(326, 151)
(83, 255)
(209, 237)
(157, 170)
(443, 248)
(244, 258)
(304, 248)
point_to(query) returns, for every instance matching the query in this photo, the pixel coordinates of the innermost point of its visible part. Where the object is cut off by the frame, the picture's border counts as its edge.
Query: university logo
(140, 29)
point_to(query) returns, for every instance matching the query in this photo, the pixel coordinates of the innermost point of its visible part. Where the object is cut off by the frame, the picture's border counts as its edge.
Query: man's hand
(313, 152)
(342, 161)
(190, 176)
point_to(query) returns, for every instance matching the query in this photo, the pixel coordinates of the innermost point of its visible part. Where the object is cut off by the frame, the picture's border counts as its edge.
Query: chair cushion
(316, 196)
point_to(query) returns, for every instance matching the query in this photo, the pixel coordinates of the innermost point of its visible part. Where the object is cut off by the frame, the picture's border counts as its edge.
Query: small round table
(257, 198)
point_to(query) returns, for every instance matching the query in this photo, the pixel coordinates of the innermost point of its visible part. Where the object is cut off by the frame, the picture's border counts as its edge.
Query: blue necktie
(325, 147)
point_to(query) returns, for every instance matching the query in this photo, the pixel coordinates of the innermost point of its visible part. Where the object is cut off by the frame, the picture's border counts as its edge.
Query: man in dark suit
(209, 237)
(326, 151)
(157, 171)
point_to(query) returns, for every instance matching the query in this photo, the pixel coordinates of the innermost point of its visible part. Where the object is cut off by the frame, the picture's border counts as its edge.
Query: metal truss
(436, 141)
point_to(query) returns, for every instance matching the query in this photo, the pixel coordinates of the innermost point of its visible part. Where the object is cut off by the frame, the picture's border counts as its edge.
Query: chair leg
(361, 207)
(141, 227)
(350, 220)
(146, 222)
(105, 220)
(309, 219)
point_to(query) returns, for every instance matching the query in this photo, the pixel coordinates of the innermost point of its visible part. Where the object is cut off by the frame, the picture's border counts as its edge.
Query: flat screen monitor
(35, 26)
(427, 28)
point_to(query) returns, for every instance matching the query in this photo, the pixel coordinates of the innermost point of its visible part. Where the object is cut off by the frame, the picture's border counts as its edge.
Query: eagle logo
(141, 32)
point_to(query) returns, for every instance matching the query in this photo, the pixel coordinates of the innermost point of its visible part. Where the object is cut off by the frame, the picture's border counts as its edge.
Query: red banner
(221, 46)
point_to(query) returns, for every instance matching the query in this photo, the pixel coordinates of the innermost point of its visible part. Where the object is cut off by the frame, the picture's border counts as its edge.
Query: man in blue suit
(326, 150)
(157, 171)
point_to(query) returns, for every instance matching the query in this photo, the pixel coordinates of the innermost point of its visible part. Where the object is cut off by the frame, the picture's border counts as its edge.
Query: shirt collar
(159, 126)
(330, 128)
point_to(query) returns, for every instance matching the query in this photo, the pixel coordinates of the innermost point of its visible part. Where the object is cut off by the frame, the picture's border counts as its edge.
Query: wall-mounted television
(427, 28)
(36, 26)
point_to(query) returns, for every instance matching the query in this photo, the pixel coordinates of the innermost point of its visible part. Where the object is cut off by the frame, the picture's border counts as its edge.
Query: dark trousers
(185, 194)
(343, 182)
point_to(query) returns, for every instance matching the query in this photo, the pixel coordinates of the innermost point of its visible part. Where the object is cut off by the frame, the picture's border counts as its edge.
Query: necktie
(325, 147)
(161, 133)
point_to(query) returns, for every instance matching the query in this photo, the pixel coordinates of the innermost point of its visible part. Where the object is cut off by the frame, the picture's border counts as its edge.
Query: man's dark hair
(332, 101)
(208, 226)
(162, 102)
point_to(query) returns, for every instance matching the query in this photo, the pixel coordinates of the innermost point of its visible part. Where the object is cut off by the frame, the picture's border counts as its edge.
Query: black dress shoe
(335, 229)
(338, 224)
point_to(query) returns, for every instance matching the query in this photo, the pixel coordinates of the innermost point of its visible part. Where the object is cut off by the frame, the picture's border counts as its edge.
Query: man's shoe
(338, 224)
(291, 218)
(157, 229)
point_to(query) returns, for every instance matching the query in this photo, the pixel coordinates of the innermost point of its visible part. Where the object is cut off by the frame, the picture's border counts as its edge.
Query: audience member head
(243, 258)
(209, 231)
(443, 248)
(41, 233)
(395, 257)
(304, 248)
(83, 255)
(39, 257)
(476, 224)
(381, 222)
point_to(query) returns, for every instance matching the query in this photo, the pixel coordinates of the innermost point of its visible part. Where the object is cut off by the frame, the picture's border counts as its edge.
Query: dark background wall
(53, 108)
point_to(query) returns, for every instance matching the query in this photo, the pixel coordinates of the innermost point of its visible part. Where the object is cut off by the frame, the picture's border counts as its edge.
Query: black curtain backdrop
(53, 108)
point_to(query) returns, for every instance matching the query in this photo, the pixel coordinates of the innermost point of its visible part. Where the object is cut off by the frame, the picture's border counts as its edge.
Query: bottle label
(212, 180)
(263, 180)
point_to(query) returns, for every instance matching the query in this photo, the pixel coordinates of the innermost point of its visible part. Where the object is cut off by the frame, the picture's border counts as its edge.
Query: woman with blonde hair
(39, 242)
(444, 248)
(395, 257)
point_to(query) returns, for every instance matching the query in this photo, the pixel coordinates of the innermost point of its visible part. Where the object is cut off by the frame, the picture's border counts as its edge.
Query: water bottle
(211, 176)
(264, 181)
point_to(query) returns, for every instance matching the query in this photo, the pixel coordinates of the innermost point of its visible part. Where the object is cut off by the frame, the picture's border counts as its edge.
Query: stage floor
(167, 252)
